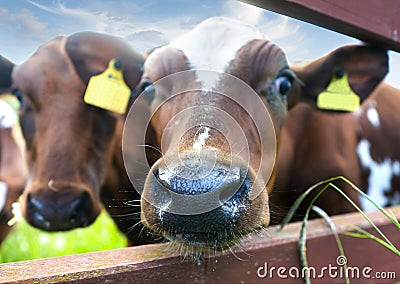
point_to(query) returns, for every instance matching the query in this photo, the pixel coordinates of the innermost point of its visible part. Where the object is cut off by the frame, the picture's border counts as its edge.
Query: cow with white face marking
(316, 145)
(209, 183)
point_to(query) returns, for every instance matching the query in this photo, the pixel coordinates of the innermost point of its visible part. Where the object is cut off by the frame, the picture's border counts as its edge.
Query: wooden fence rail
(270, 248)
(367, 20)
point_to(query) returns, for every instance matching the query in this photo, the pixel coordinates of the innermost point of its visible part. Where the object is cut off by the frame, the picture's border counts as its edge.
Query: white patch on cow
(201, 138)
(3, 194)
(213, 44)
(373, 116)
(380, 176)
(8, 117)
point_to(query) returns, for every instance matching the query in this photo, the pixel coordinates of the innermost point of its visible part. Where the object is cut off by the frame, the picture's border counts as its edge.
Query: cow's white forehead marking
(372, 114)
(8, 117)
(380, 176)
(213, 44)
(3, 194)
(201, 138)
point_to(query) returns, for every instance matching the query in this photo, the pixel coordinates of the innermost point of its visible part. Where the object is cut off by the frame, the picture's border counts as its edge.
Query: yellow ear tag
(338, 96)
(108, 90)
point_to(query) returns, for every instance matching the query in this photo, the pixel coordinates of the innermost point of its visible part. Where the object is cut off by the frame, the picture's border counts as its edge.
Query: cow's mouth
(204, 240)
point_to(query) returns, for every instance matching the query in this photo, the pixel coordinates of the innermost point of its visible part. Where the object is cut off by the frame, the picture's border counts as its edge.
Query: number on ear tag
(338, 96)
(108, 90)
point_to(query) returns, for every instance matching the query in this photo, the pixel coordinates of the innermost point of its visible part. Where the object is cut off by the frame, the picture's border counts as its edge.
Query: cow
(13, 170)
(73, 146)
(204, 190)
(377, 147)
(316, 145)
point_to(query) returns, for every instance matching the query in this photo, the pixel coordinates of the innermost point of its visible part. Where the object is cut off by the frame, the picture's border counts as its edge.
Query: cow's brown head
(216, 132)
(70, 143)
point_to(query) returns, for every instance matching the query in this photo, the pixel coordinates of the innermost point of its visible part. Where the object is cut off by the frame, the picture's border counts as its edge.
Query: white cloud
(242, 11)
(280, 29)
(23, 22)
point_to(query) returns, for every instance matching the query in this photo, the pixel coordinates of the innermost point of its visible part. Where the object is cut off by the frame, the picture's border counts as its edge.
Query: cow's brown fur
(316, 145)
(74, 148)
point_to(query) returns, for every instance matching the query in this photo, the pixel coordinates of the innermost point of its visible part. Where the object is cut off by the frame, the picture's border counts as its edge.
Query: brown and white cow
(198, 158)
(378, 146)
(13, 171)
(74, 148)
(316, 145)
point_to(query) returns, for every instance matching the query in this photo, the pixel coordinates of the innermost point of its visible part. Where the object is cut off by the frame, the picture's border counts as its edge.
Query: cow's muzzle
(60, 210)
(196, 200)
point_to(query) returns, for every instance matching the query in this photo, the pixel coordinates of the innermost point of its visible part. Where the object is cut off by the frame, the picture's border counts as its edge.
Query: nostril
(34, 204)
(79, 207)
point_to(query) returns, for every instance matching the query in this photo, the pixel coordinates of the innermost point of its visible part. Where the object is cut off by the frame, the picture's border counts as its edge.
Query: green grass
(25, 242)
(360, 233)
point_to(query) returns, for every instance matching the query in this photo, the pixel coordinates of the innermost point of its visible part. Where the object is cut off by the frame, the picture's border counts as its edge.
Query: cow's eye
(283, 84)
(147, 88)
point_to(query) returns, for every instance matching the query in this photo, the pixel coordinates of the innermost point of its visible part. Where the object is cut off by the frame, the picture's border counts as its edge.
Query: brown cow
(316, 145)
(204, 191)
(13, 171)
(74, 148)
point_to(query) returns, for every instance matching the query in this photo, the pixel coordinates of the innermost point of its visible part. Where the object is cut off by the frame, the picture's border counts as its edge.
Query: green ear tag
(338, 96)
(108, 90)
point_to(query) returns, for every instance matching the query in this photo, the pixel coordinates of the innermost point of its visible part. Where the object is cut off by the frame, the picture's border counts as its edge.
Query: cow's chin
(253, 216)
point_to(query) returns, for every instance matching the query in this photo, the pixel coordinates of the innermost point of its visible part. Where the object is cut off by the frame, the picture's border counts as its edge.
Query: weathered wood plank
(367, 20)
(156, 263)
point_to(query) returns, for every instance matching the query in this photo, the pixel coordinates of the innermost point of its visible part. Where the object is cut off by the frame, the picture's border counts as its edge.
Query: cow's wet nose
(185, 188)
(62, 212)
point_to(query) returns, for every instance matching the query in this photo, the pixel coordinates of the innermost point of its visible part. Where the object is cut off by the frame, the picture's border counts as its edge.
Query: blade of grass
(303, 237)
(391, 217)
(300, 199)
(363, 234)
(395, 250)
(332, 226)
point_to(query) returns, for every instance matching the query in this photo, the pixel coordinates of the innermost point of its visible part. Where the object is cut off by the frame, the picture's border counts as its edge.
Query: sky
(26, 24)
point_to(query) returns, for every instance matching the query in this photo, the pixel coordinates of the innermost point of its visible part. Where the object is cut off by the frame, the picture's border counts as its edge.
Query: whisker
(152, 147)
(235, 255)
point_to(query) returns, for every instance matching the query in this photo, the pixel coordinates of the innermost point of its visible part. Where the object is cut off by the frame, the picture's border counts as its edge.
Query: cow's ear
(355, 70)
(366, 67)
(91, 53)
(6, 67)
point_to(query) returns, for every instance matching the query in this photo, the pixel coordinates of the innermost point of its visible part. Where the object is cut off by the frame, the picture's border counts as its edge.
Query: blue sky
(26, 24)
